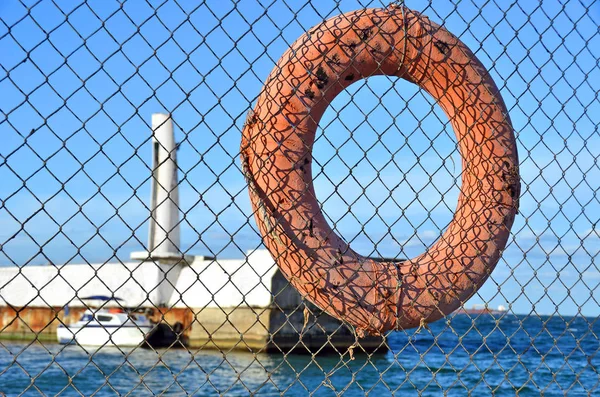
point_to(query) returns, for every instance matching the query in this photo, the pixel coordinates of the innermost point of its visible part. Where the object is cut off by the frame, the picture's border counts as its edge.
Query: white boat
(106, 327)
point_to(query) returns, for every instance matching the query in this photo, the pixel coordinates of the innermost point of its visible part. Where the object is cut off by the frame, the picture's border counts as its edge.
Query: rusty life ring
(276, 154)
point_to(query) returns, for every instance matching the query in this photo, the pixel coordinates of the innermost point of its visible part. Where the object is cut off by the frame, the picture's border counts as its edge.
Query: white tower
(163, 233)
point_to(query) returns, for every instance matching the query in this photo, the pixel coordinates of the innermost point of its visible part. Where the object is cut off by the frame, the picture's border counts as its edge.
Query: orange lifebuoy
(276, 155)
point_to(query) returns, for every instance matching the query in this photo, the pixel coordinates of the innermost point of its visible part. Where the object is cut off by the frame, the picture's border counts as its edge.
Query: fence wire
(128, 235)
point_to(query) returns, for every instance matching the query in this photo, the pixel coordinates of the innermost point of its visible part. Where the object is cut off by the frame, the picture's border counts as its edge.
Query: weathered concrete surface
(272, 330)
(243, 328)
(30, 323)
(220, 304)
(282, 326)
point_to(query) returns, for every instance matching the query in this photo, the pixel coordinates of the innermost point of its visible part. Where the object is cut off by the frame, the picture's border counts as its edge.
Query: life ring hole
(386, 168)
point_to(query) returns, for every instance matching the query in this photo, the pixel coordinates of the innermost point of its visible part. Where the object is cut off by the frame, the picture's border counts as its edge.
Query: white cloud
(424, 238)
(590, 275)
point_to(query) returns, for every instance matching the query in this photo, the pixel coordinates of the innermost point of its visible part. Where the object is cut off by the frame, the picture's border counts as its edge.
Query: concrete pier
(222, 304)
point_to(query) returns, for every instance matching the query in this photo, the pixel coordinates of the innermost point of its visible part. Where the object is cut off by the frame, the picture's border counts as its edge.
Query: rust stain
(31, 320)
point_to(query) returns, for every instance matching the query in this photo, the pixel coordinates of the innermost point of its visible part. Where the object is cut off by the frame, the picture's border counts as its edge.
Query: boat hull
(96, 335)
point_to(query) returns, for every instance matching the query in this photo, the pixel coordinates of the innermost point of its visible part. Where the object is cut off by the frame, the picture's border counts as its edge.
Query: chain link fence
(130, 259)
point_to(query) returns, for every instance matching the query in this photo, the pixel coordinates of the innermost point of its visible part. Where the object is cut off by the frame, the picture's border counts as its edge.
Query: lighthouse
(163, 226)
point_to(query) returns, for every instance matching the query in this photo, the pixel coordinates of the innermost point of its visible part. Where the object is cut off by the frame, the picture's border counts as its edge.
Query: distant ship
(482, 309)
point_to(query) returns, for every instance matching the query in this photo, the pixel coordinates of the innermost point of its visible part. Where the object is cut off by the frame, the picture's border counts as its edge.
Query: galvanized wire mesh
(79, 83)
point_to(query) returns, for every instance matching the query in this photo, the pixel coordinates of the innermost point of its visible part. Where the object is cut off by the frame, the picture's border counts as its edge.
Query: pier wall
(221, 304)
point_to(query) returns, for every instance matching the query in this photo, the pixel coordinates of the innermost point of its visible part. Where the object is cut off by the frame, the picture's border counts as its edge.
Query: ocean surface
(503, 355)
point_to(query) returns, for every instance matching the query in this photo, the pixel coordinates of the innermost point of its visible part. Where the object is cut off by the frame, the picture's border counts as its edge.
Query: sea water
(483, 355)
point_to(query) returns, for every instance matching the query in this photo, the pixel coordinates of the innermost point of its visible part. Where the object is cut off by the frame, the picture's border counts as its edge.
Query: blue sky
(78, 94)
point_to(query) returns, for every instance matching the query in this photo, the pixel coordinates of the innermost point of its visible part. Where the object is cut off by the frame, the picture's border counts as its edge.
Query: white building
(151, 283)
